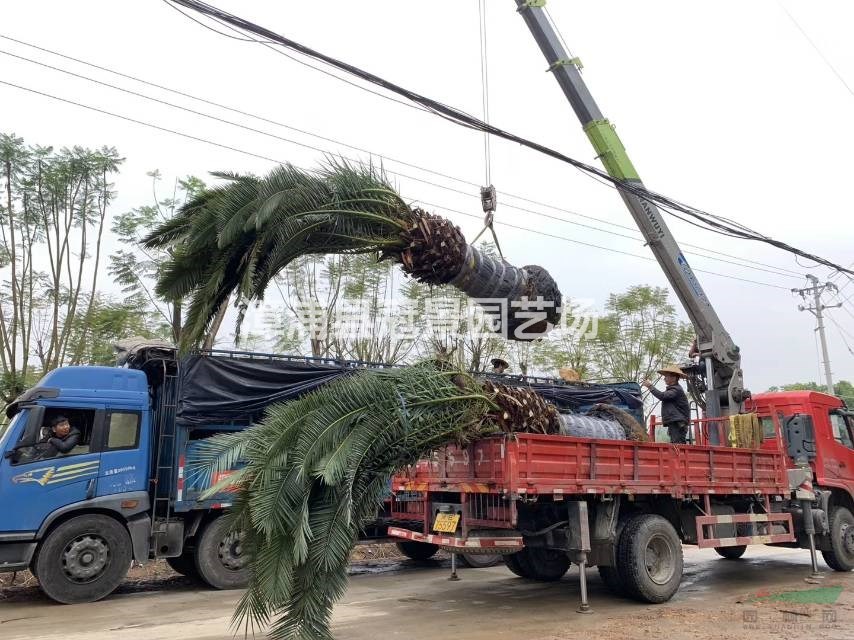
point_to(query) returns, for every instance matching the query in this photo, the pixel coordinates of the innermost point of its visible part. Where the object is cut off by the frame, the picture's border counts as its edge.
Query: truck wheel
(417, 550)
(612, 579)
(543, 565)
(518, 564)
(731, 553)
(649, 556)
(219, 557)
(185, 564)
(840, 556)
(84, 559)
(480, 560)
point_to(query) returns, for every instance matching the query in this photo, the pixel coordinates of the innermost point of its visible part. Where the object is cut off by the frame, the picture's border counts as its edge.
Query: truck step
(763, 522)
(509, 544)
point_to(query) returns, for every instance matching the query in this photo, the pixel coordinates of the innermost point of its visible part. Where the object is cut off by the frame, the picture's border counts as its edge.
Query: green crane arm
(721, 356)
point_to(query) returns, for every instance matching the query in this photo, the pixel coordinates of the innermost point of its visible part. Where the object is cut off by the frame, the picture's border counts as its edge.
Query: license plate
(446, 522)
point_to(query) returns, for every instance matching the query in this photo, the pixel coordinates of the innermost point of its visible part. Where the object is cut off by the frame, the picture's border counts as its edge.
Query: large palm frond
(318, 468)
(234, 239)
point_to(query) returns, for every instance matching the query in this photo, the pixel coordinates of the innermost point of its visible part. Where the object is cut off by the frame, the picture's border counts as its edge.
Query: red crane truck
(627, 507)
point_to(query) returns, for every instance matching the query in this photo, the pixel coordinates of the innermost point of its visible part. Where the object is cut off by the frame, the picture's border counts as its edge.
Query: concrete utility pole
(816, 290)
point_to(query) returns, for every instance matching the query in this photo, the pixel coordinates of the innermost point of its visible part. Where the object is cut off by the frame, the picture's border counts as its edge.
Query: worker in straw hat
(499, 365)
(675, 410)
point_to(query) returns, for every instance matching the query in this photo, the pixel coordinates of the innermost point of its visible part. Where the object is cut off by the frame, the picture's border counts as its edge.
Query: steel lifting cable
(488, 195)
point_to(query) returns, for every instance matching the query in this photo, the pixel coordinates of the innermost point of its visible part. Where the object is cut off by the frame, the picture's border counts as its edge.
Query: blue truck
(128, 490)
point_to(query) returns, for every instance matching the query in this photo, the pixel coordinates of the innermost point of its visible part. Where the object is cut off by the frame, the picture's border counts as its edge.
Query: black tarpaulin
(224, 390)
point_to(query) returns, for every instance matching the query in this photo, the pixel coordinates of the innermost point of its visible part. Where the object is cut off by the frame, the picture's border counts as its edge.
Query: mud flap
(139, 528)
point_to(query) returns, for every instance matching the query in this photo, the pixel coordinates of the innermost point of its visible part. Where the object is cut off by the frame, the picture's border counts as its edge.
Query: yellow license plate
(446, 522)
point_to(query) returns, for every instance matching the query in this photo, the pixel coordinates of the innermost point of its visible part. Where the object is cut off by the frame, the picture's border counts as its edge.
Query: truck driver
(61, 439)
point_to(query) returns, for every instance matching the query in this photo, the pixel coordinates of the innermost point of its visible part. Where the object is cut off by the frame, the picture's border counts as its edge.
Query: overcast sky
(722, 105)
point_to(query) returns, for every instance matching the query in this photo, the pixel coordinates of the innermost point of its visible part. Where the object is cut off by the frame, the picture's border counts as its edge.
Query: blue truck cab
(78, 519)
(105, 476)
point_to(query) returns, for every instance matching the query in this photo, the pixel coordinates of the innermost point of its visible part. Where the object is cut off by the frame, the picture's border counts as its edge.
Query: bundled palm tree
(319, 467)
(234, 239)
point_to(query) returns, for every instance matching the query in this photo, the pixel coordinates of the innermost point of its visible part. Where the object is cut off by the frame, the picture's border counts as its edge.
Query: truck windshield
(6, 428)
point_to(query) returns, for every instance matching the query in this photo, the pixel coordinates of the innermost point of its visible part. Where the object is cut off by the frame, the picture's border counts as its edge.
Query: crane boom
(722, 358)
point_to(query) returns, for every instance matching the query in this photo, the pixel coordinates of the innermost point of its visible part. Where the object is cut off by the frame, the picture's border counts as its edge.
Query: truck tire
(185, 564)
(731, 553)
(611, 577)
(219, 557)
(518, 564)
(840, 556)
(480, 560)
(649, 557)
(84, 559)
(543, 565)
(417, 550)
(613, 581)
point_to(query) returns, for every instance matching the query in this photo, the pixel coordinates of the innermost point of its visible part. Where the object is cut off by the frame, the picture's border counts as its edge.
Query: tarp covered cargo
(237, 388)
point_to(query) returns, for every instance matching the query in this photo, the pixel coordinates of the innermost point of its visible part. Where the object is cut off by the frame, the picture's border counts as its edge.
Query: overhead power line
(597, 246)
(817, 50)
(736, 260)
(708, 221)
(279, 161)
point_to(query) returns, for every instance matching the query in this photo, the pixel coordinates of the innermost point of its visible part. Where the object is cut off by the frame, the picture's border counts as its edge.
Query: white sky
(723, 105)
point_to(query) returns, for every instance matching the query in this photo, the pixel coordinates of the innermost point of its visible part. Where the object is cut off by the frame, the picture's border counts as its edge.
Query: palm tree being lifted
(234, 239)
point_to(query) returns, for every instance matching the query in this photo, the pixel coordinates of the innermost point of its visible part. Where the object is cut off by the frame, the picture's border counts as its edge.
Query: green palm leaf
(232, 240)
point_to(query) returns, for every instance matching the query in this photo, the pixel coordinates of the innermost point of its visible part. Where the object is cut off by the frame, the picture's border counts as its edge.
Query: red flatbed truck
(546, 501)
(627, 507)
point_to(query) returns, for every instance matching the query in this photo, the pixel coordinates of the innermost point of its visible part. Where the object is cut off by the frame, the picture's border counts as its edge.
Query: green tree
(843, 388)
(341, 307)
(113, 320)
(137, 268)
(52, 218)
(569, 345)
(638, 334)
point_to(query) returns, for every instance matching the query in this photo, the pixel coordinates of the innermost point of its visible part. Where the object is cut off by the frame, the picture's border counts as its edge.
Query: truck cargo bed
(518, 465)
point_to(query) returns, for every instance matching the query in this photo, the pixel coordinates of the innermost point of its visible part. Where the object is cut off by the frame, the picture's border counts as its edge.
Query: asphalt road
(764, 594)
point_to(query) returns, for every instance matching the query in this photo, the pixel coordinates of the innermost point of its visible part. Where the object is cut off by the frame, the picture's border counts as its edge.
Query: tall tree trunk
(176, 321)
(13, 338)
(210, 338)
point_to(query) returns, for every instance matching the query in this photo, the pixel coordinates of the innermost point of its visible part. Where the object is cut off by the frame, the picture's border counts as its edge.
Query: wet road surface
(717, 599)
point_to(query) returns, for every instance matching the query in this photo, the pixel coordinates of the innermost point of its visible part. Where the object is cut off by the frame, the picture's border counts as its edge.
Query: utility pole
(816, 309)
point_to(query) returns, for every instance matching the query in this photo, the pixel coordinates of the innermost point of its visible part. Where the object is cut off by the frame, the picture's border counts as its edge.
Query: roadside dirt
(159, 576)
(763, 595)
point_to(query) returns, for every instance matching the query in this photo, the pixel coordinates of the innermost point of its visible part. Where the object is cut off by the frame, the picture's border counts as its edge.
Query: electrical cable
(362, 150)
(817, 50)
(842, 333)
(278, 161)
(597, 246)
(711, 222)
(302, 62)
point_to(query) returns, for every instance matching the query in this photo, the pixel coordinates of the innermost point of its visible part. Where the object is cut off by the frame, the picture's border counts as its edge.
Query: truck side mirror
(800, 436)
(35, 420)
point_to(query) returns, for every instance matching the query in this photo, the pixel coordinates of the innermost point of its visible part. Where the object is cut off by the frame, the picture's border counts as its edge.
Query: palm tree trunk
(523, 302)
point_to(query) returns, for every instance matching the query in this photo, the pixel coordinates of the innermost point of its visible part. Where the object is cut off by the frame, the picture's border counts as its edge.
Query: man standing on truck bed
(675, 410)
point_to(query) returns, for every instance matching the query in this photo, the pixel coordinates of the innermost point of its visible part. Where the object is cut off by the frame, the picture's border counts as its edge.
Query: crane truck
(627, 507)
